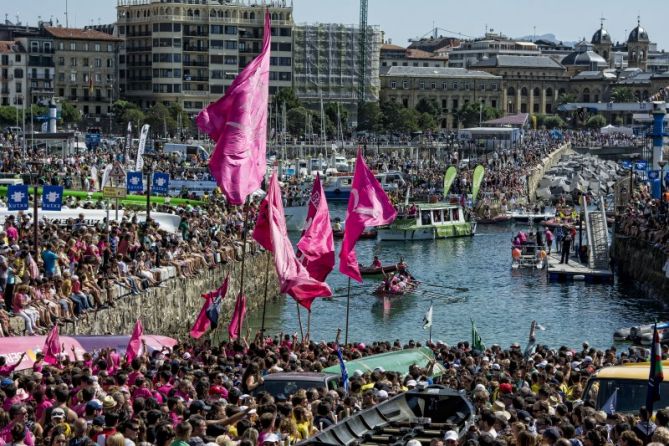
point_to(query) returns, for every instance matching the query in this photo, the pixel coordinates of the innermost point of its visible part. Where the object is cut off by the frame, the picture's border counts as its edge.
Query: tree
(369, 117)
(160, 120)
(472, 113)
(390, 115)
(36, 110)
(566, 98)
(427, 121)
(134, 115)
(596, 122)
(336, 112)
(287, 96)
(408, 120)
(296, 120)
(553, 122)
(69, 113)
(428, 106)
(8, 115)
(622, 94)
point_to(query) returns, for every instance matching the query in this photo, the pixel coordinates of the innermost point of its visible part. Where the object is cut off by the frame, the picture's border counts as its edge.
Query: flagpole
(264, 302)
(241, 280)
(348, 308)
(299, 321)
(309, 325)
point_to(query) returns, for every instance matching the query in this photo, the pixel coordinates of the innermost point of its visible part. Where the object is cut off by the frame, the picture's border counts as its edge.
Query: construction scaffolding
(327, 63)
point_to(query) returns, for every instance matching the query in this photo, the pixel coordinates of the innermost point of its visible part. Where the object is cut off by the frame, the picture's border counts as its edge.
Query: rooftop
(391, 47)
(79, 34)
(439, 72)
(507, 60)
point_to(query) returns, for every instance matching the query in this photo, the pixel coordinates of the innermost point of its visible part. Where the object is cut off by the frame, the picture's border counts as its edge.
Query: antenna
(67, 22)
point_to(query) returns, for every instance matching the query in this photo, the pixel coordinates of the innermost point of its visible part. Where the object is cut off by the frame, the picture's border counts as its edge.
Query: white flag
(139, 162)
(427, 319)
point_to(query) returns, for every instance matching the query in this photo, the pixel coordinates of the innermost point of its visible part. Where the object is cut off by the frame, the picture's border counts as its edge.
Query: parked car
(282, 385)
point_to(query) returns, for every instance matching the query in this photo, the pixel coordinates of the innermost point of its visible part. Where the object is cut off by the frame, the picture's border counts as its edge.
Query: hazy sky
(569, 20)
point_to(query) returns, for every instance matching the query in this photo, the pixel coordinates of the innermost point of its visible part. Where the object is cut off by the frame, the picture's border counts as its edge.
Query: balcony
(40, 76)
(137, 49)
(139, 34)
(188, 33)
(195, 63)
(196, 49)
(189, 78)
(43, 51)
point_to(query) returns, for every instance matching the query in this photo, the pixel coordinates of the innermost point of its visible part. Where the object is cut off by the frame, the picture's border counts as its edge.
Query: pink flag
(270, 231)
(368, 205)
(52, 346)
(238, 124)
(135, 344)
(235, 327)
(317, 244)
(203, 321)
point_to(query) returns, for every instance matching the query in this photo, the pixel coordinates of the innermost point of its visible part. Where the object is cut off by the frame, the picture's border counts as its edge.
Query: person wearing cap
(451, 438)
(271, 439)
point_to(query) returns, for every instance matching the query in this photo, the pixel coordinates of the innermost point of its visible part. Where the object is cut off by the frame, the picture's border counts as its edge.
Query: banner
(653, 174)
(135, 182)
(139, 162)
(161, 182)
(626, 164)
(451, 173)
(52, 198)
(128, 142)
(17, 197)
(477, 179)
(641, 165)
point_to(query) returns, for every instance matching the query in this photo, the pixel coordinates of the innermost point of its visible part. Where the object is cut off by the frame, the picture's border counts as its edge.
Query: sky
(569, 20)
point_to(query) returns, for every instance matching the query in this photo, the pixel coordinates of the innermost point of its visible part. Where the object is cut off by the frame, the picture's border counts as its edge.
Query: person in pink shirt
(42, 403)
(18, 414)
(6, 370)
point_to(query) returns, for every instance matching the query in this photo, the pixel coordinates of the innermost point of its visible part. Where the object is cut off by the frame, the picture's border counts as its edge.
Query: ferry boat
(338, 188)
(430, 221)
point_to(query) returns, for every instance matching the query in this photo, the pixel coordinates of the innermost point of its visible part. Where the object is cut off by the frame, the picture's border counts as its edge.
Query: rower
(376, 263)
(337, 226)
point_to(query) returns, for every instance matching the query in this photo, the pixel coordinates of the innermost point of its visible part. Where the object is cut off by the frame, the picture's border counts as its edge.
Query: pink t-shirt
(12, 233)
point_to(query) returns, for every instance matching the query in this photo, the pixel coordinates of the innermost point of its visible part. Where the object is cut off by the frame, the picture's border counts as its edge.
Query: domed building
(602, 43)
(637, 47)
(584, 58)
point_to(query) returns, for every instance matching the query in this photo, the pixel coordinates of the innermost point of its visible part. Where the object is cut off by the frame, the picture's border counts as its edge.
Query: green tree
(287, 96)
(596, 122)
(334, 112)
(566, 98)
(369, 117)
(472, 112)
(408, 120)
(160, 120)
(296, 120)
(175, 110)
(69, 113)
(427, 121)
(622, 94)
(134, 115)
(36, 110)
(390, 115)
(553, 122)
(429, 106)
(8, 115)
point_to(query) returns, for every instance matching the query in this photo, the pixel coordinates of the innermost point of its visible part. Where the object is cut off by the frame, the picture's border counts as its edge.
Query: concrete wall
(171, 311)
(538, 171)
(638, 260)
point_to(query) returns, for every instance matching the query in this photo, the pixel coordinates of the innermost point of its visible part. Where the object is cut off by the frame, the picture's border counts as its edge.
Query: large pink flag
(270, 231)
(238, 124)
(203, 321)
(135, 344)
(317, 244)
(52, 346)
(368, 205)
(237, 320)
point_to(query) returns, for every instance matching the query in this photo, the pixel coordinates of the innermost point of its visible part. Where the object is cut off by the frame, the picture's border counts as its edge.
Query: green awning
(396, 361)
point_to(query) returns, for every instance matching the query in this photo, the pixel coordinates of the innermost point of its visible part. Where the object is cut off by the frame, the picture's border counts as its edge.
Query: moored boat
(497, 219)
(641, 334)
(383, 290)
(376, 270)
(523, 216)
(429, 221)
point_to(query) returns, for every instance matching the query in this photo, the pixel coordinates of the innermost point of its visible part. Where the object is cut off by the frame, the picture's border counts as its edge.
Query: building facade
(493, 44)
(188, 53)
(397, 56)
(86, 69)
(328, 61)
(40, 69)
(12, 74)
(451, 88)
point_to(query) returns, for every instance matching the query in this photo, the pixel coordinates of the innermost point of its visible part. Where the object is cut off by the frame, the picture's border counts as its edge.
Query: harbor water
(501, 301)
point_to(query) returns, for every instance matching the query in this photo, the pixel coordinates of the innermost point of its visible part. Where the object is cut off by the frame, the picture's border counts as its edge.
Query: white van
(186, 150)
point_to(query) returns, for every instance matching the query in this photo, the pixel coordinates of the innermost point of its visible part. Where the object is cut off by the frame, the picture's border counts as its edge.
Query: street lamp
(662, 163)
(149, 160)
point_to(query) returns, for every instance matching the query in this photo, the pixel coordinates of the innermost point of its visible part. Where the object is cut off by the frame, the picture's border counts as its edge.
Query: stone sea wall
(540, 169)
(170, 311)
(637, 260)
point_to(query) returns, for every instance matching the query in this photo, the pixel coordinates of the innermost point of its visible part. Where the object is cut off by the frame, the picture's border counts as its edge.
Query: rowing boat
(376, 270)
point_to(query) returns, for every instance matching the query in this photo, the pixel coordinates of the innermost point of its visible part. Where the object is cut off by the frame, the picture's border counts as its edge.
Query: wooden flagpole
(264, 302)
(348, 309)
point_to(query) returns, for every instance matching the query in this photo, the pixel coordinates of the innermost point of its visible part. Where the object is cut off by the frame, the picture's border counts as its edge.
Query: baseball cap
(198, 405)
(451, 435)
(58, 413)
(271, 438)
(94, 404)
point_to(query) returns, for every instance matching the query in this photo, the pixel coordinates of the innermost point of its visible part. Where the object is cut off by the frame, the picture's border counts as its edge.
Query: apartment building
(86, 69)
(328, 61)
(189, 52)
(12, 74)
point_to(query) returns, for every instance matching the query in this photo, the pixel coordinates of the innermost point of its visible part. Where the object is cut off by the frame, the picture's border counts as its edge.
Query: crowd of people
(646, 218)
(202, 394)
(81, 263)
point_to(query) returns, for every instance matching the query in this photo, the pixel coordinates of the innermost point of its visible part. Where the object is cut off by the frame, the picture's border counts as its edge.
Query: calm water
(502, 301)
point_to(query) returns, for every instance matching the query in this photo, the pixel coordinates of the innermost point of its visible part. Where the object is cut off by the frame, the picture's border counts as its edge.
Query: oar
(445, 286)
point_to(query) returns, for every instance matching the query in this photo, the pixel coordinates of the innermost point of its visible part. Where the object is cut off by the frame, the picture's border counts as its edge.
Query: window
(98, 62)
(230, 30)
(434, 85)
(61, 61)
(86, 46)
(455, 85)
(18, 87)
(97, 77)
(109, 63)
(110, 48)
(61, 46)
(73, 92)
(18, 73)
(61, 78)
(230, 44)
(97, 47)
(393, 85)
(73, 46)
(34, 47)
(230, 60)
(422, 85)
(85, 62)
(17, 58)
(73, 61)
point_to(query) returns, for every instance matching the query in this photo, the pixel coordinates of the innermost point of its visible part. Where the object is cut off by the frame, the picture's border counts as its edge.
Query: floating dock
(575, 270)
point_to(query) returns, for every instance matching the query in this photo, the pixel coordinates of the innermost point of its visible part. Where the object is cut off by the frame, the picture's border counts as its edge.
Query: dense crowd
(647, 219)
(201, 394)
(80, 263)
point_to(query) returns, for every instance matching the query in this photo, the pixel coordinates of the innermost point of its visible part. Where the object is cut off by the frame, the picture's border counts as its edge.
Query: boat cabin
(439, 214)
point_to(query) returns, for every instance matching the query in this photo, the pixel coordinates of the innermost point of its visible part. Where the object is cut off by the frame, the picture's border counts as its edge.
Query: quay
(575, 271)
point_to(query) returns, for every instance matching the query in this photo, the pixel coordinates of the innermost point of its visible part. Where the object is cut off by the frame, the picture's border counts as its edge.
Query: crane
(362, 69)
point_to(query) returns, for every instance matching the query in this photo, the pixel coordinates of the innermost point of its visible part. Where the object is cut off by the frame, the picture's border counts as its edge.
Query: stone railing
(171, 311)
(540, 169)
